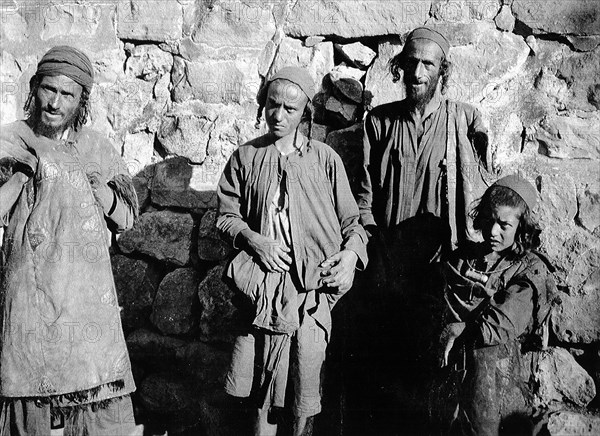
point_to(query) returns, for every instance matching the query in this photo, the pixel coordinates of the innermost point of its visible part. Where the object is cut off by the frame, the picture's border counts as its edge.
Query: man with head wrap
(424, 157)
(63, 358)
(285, 201)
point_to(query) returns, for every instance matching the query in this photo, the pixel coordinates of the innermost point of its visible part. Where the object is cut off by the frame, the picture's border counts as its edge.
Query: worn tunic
(323, 215)
(497, 332)
(303, 200)
(413, 168)
(61, 335)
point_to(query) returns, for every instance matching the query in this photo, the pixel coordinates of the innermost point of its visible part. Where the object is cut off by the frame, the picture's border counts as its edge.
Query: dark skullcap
(67, 61)
(296, 75)
(431, 35)
(521, 186)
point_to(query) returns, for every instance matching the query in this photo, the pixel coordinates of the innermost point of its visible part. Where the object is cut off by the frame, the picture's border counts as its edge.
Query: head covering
(67, 61)
(431, 35)
(521, 186)
(296, 75)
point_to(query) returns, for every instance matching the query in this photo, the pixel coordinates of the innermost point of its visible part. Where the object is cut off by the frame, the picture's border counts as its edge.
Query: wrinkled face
(499, 229)
(421, 70)
(57, 104)
(284, 108)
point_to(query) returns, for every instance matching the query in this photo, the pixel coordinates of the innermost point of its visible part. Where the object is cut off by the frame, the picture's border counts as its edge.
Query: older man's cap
(296, 75)
(67, 61)
(521, 186)
(431, 35)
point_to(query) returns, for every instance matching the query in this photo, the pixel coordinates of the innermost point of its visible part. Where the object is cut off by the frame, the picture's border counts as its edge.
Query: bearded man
(63, 358)
(424, 157)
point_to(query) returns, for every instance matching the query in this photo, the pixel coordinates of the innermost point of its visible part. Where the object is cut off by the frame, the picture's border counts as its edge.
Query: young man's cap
(296, 75)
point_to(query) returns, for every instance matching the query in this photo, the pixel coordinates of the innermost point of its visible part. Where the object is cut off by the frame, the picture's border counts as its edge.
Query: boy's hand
(447, 338)
(273, 255)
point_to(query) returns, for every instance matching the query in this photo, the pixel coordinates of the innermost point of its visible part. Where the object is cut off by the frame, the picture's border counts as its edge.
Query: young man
(62, 351)
(285, 201)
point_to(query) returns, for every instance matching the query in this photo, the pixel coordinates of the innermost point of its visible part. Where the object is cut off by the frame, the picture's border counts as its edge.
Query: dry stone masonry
(175, 91)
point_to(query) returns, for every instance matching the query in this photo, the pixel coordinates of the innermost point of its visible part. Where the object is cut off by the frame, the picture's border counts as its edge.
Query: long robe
(61, 336)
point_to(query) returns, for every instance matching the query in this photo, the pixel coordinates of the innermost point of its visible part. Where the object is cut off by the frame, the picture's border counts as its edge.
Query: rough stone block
(185, 135)
(346, 81)
(136, 286)
(217, 81)
(145, 345)
(210, 245)
(236, 24)
(341, 112)
(353, 19)
(357, 54)
(379, 88)
(568, 423)
(147, 62)
(216, 308)
(317, 59)
(348, 144)
(505, 20)
(180, 184)
(588, 214)
(138, 151)
(163, 235)
(559, 17)
(150, 20)
(175, 306)
(561, 380)
(565, 137)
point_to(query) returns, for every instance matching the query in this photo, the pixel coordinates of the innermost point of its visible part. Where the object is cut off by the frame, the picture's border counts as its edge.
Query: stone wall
(175, 91)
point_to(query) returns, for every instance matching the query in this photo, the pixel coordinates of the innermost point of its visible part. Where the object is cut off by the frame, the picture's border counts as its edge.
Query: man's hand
(272, 254)
(339, 270)
(103, 194)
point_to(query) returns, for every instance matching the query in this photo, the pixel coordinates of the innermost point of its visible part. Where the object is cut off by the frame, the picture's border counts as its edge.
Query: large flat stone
(353, 19)
(175, 306)
(150, 20)
(233, 24)
(163, 235)
(217, 81)
(580, 17)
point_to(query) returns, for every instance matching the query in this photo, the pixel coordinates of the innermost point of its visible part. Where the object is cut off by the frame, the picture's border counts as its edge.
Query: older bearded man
(424, 157)
(63, 358)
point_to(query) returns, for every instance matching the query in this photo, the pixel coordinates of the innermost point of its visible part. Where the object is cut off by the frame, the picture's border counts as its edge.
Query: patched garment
(61, 326)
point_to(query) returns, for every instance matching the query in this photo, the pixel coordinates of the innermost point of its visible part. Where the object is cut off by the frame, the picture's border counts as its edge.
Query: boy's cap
(521, 186)
(297, 75)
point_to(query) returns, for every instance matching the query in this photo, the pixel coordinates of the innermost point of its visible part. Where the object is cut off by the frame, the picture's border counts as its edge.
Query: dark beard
(52, 132)
(419, 102)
